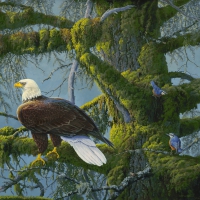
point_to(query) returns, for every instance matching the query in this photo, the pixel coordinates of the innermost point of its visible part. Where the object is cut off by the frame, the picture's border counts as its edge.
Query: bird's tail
(86, 149)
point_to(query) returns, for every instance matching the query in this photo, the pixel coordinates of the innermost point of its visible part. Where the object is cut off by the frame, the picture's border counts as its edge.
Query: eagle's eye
(23, 83)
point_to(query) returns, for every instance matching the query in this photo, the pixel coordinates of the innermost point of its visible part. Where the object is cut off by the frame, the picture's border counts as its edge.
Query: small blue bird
(174, 143)
(157, 92)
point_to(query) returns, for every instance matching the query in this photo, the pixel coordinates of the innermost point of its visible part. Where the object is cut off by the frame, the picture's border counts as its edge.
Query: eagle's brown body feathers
(57, 117)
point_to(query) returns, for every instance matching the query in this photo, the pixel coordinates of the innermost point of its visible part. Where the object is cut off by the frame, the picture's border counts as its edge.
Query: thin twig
(52, 72)
(8, 115)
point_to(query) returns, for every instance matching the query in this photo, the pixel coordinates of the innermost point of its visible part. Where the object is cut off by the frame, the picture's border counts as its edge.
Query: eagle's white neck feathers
(30, 89)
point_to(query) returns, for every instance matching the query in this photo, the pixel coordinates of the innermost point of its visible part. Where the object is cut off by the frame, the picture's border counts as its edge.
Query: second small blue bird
(174, 142)
(157, 92)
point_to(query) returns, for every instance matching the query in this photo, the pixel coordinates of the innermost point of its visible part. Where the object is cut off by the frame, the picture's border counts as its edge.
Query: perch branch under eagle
(60, 119)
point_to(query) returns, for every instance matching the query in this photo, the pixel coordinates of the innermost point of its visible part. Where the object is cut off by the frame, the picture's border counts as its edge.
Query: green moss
(121, 136)
(67, 38)
(151, 60)
(44, 38)
(180, 170)
(55, 40)
(189, 125)
(85, 33)
(116, 175)
(7, 130)
(95, 101)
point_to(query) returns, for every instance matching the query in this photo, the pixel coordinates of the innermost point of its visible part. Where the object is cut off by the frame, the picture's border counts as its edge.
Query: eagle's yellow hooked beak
(18, 85)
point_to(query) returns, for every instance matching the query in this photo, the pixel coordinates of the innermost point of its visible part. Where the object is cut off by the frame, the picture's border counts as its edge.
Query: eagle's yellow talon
(38, 159)
(54, 151)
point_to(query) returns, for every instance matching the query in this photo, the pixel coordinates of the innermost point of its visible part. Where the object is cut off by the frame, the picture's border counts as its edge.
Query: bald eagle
(60, 119)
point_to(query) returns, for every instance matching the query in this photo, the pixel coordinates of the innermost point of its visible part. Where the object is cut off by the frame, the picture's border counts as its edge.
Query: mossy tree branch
(35, 43)
(180, 75)
(192, 90)
(26, 146)
(178, 169)
(171, 44)
(189, 125)
(184, 98)
(28, 17)
(110, 79)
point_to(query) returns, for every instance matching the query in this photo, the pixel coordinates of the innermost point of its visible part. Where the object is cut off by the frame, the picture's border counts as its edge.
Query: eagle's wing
(56, 116)
(86, 149)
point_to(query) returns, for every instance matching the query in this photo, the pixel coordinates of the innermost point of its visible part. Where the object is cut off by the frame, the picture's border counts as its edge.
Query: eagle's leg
(56, 140)
(38, 159)
(41, 141)
(54, 151)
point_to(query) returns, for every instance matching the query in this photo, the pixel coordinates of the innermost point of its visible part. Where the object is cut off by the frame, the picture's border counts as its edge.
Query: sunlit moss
(44, 37)
(67, 38)
(95, 101)
(7, 130)
(85, 33)
(121, 135)
(55, 40)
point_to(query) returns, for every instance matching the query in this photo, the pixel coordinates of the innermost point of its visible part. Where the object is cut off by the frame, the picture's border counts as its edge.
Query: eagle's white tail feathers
(86, 149)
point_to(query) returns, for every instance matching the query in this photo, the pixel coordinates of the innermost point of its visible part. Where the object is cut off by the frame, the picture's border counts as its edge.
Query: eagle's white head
(30, 89)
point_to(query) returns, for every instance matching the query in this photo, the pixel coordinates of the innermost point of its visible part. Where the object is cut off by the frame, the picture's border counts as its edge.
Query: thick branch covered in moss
(111, 79)
(14, 20)
(94, 102)
(34, 43)
(189, 125)
(180, 99)
(22, 146)
(180, 75)
(182, 171)
(193, 92)
(171, 44)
